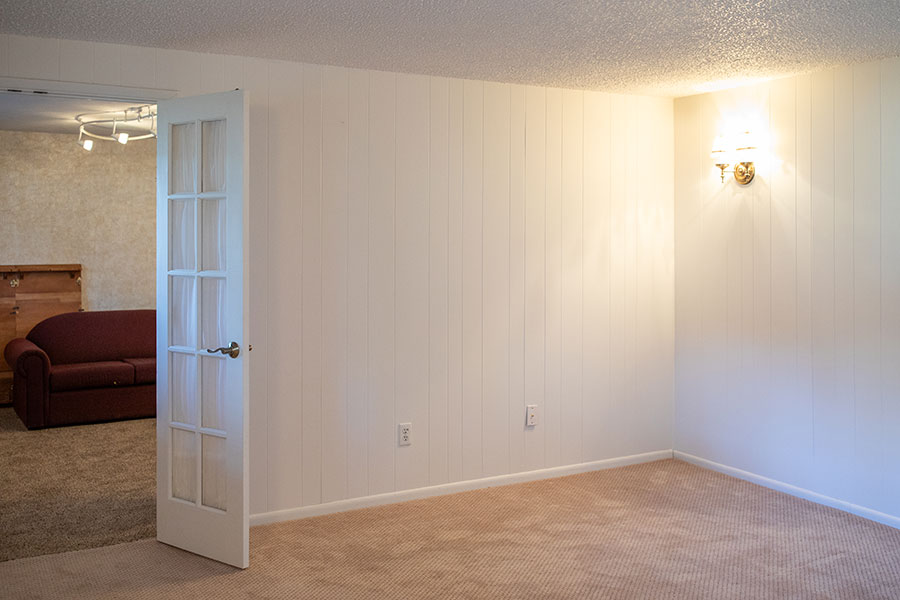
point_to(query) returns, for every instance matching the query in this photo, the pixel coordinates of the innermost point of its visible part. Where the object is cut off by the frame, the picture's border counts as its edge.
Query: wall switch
(404, 431)
(531, 415)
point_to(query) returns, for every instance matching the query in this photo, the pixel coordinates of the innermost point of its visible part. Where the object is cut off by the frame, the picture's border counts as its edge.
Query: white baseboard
(451, 488)
(793, 490)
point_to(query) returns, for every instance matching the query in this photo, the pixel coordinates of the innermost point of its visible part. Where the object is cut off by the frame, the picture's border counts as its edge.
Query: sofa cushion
(83, 337)
(144, 369)
(79, 376)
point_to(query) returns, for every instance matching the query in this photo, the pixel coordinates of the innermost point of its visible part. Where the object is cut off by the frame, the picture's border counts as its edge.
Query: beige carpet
(658, 530)
(69, 488)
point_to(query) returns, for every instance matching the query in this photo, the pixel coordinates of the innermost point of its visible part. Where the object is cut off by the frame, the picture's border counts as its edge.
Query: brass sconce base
(722, 168)
(744, 172)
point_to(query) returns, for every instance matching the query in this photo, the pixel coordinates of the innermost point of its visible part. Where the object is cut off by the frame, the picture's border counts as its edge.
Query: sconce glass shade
(719, 152)
(745, 148)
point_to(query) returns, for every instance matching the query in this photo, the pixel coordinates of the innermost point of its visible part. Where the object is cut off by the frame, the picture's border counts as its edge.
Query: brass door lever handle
(233, 350)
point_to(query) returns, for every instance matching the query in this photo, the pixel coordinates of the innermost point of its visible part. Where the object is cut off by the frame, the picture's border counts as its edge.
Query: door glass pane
(212, 313)
(212, 403)
(214, 156)
(183, 170)
(213, 472)
(212, 216)
(181, 234)
(183, 380)
(182, 316)
(184, 465)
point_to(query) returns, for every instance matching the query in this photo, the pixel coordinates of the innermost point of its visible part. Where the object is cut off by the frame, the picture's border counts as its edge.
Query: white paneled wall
(788, 291)
(435, 251)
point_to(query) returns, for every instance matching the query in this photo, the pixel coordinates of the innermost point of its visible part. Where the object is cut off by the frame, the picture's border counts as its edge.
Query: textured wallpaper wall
(61, 204)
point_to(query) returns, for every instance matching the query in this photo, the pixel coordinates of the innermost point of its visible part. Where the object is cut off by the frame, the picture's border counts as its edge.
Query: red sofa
(85, 367)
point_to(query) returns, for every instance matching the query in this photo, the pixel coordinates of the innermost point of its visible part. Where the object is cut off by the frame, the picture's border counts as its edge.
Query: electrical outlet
(531, 415)
(404, 431)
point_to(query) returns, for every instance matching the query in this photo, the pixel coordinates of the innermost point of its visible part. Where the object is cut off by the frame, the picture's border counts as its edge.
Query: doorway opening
(78, 231)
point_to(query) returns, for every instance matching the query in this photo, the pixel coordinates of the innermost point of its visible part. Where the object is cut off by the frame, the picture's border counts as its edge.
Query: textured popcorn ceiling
(652, 46)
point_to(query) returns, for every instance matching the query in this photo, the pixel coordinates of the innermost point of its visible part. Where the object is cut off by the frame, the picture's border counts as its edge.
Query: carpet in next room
(68, 488)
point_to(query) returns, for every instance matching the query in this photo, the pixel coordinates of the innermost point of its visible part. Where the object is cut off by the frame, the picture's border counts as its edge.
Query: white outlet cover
(531, 415)
(404, 434)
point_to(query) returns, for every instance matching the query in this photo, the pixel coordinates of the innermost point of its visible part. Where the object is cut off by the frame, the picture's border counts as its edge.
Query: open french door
(202, 367)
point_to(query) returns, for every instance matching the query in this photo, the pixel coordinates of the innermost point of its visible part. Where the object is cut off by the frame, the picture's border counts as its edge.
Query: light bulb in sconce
(739, 150)
(122, 138)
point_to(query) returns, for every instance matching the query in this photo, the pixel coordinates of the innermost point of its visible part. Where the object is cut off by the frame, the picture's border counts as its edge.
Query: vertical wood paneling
(786, 438)
(617, 389)
(761, 336)
(284, 220)
(455, 279)
(827, 410)
(358, 290)
(715, 281)
(178, 70)
(597, 178)
(472, 279)
(890, 284)
(843, 277)
(311, 294)
(137, 68)
(4, 55)
(814, 406)
(535, 269)
(866, 281)
(552, 413)
(76, 61)
(212, 73)
(495, 369)
(688, 283)
(108, 64)
(256, 81)
(571, 276)
(33, 58)
(435, 251)
(411, 268)
(233, 71)
(804, 271)
(641, 237)
(438, 281)
(658, 248)
(517, 171)
(632, 277)
(335, 236)
(382, 169)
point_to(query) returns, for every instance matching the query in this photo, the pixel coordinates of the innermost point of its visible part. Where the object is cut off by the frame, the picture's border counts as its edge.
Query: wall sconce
(739, 150)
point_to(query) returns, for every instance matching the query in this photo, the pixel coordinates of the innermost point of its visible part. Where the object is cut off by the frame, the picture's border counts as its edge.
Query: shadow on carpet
(71, 488)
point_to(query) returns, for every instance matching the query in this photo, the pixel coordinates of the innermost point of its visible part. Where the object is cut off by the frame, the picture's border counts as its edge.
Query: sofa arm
(31, 381)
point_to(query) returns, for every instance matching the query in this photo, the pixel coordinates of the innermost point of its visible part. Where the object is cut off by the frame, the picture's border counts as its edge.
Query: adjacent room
(79, 212)
(478, 300)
